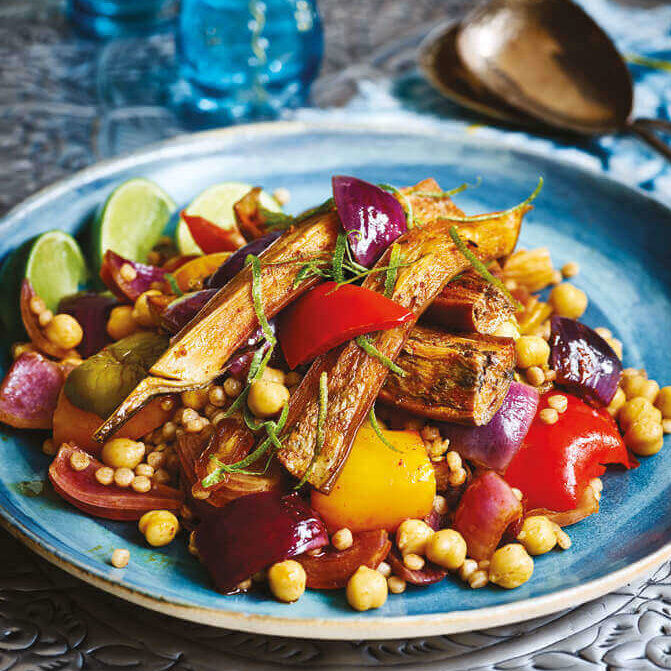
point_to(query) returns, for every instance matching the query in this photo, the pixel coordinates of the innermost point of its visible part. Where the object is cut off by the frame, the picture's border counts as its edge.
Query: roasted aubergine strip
(200, 351)
(354, 377)
(449, 377)
(471, 304)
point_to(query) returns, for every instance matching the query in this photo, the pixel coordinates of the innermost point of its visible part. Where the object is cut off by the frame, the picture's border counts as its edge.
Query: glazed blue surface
(620, 237)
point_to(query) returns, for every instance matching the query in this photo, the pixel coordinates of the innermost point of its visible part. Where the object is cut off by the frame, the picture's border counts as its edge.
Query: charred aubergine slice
(431, 259)
(450, 377)
(201, 350)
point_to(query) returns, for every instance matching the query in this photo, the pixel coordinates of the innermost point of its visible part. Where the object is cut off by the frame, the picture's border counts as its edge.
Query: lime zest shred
(378, 431)
(258, 298)
(406, 204)
(272, 429)
(338, 257)
(484, 217)
(321, 421)
(170, 279)
(370, 349)
(395, 261)
(448, 194)
(481, 268)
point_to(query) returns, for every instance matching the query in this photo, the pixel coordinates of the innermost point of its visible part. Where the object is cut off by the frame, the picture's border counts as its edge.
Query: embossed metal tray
(619, 236)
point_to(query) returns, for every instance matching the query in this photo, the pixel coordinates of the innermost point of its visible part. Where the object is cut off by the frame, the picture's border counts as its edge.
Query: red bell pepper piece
(209, 237)
(557, 461)
(329, 315)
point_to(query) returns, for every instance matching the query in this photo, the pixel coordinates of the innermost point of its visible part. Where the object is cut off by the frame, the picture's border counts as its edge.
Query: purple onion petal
(252, 532)
(236, 261)
(92, 312)
(183, 309)
(145, 276)
(585, 363)
(495, 444)
(372, 217)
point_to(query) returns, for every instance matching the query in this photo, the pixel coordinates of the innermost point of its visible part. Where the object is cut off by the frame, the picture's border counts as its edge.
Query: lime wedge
(131, 220)
(55, 266)
(216, 205)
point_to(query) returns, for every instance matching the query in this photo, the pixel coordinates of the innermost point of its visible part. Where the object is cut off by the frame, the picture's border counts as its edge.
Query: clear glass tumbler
(246, 59)
(121, 18)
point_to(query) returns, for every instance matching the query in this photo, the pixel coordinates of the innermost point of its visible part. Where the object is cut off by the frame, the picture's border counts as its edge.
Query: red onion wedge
(372, 217)
(428, 575)
(125, 289)
(236, 261)
(486, 510)
(585, 363)
(495, 444)
(331, 569)
(111, 502)
(29, 392)
(92, 311)
(255, 531)
(183, 309)
(588, 504)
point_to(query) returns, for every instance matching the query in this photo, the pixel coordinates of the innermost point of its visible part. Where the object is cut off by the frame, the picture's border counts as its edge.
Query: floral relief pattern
(51, 621)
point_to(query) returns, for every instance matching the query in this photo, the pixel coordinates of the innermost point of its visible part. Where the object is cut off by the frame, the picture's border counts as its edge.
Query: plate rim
(383, 627)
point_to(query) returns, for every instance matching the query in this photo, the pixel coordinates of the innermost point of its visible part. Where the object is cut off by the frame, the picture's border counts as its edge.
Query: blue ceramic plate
(621, 239)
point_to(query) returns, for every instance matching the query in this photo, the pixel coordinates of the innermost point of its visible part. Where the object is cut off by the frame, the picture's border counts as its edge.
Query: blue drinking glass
(245, 59)
(122, 18)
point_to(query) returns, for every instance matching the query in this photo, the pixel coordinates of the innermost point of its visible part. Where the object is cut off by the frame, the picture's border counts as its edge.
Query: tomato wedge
(209, 237)
(329, 315)
(111, 502)
(557, 461)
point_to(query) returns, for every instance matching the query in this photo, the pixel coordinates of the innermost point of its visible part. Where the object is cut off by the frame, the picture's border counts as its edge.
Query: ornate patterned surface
(66, 103)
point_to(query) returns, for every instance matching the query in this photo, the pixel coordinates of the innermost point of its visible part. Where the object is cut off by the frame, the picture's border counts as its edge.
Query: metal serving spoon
(532, 62)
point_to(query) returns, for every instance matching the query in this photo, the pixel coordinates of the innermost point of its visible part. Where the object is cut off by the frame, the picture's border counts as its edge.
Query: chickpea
(267, 398)
(511, 566)
(618, 401)
(571, 269)
(19, 348)
(49, 447)
(366, 589)
(645, 436)
(141, 484)
(121, 323)
(413, 562)
(196, 398)
(217, 397)
(535, 376)
(120, 558)
(122, 452)
(638, 385)
(663, 402)
(636, 409)
(568, 301)
(286, 580)
(531, 351)
(412, 536)
(142, 312)
(342, 539)
(79, 461)
(105, 475)
(537, 535)
(508, 329)
(447, 548)
(232, 387)
(396, 585)
(384, 569)
(273, 375)
(123, 477)
(64, 331)
(159, 527)
(440, 504)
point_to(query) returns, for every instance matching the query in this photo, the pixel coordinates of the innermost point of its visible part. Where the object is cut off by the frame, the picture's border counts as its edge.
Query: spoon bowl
(538, 63)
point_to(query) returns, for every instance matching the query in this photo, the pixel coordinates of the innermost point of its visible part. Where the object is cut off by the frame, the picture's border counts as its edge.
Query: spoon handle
(643, 128)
